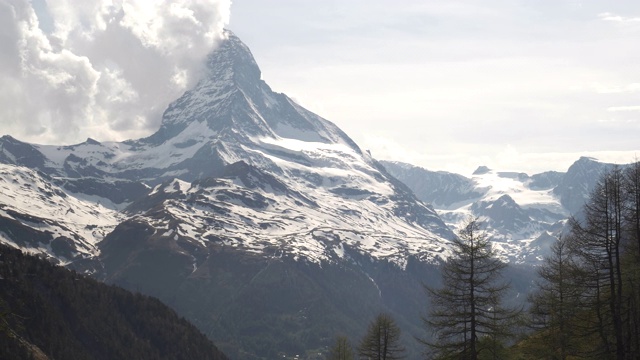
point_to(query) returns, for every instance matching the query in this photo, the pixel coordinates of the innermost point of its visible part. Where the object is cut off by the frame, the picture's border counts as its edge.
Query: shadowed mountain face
(48, 312)
(256, 219)
(576, 186)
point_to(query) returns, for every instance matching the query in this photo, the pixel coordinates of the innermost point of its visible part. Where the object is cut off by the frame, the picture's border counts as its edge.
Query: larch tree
(632, 279)
(467, 316)
(599, 242)
(382, 340)
(555, 303)
(632, 205)
(594, 312)
(341, 349)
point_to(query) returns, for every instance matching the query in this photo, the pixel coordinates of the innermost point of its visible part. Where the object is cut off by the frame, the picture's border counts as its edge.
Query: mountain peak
(231, 75)
(232, 60)
(481, 170)
(587, 159)
(233, 105)
(506, 201)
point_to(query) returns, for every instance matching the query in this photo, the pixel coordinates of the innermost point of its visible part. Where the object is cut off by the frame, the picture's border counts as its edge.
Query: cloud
(617, 18)
(101, 69)
(631, 88)
(624, 108)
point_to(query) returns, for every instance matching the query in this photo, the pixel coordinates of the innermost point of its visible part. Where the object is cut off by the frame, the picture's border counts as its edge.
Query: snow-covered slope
(286, 180)
(522, 213)
(43, 218)
(250, 210)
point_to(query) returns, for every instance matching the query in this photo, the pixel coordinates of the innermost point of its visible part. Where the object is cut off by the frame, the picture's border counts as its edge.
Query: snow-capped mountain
(241, 194)
(574, 188)
(261, 222)
(521, 213)
(287, 181)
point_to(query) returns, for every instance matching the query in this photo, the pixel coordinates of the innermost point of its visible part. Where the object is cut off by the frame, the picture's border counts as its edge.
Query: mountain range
(263, 223)
(522, 214)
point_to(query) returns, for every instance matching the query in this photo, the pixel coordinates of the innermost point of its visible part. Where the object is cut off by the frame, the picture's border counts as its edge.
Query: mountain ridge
(521, 212)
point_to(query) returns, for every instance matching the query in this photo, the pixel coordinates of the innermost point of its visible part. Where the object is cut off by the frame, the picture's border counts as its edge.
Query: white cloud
(103, 69)
(630, 88)
(617, 18)
(624, 108)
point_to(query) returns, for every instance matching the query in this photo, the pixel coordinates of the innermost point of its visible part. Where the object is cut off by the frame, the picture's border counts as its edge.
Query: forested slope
(48, 312)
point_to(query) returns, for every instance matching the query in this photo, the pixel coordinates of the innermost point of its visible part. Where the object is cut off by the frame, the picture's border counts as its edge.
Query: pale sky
(448, 85)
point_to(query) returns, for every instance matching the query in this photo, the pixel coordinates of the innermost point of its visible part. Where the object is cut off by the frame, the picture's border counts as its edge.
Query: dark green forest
(48, 312)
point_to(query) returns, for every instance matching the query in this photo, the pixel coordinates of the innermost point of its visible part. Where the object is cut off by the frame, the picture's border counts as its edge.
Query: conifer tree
(632, 263)
(556, 301)
(467, 316)
(382, 340)
(598, 240)
(341, 349)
